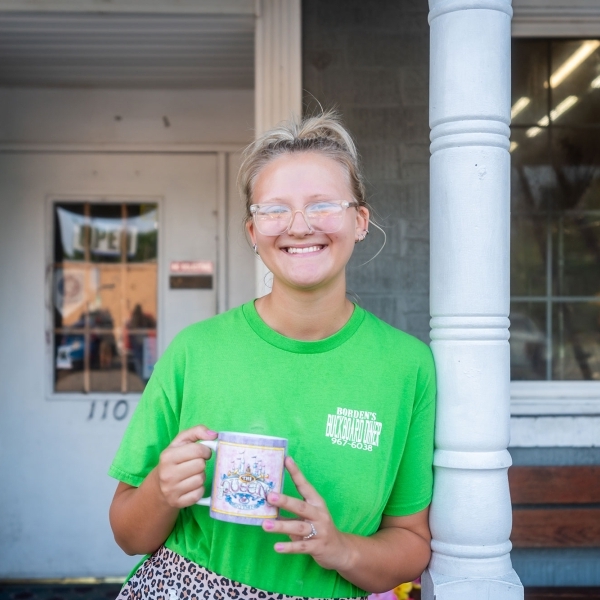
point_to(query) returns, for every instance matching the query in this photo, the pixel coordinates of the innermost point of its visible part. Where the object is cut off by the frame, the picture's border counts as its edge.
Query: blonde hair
(323, 133)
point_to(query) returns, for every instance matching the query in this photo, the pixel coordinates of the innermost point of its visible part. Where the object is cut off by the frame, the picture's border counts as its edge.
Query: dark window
(555, 206)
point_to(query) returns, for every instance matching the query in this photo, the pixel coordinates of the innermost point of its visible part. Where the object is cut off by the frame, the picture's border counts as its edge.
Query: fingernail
(279, 547)
(273, 497)
(269, 525)
(211, 432)
(290, 459)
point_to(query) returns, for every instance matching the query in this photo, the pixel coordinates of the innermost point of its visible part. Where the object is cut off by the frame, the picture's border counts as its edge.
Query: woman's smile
(304, 250)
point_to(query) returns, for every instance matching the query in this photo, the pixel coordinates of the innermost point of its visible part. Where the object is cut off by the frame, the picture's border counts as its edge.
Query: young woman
(354, 396)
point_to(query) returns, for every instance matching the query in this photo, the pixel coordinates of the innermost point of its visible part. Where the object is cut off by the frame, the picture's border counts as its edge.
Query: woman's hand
(397, 552)
(328, 546)
(182, 465)
(143, 517)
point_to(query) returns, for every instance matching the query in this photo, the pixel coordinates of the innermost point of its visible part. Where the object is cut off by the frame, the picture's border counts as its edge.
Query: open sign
(105, 237)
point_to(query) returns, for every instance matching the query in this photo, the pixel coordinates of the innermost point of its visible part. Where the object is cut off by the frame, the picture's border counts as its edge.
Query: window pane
(142, 232)
(576, 164)
(577, 255)
(68, 363)
(529, 74)
(106, 232)
(532, 186)
(576, 161)
(528, 256)
(105, 308)
(72, 292)
(71, 229)
(576, 343)
(141, 357)
(528, 344)
(575, 82)
(105, 362)
(140, 296)
(533, 179)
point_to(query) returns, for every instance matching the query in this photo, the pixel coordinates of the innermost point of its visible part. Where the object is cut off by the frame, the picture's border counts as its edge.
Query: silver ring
(312, 533)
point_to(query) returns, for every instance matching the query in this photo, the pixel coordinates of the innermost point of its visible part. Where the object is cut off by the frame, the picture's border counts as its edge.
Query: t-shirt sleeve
(413, 488)
(153, 426)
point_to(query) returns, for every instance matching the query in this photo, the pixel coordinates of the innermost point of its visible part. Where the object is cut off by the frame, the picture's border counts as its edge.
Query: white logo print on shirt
(358, 428)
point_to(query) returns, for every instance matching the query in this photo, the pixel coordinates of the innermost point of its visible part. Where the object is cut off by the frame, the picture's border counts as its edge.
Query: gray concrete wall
(370, 60)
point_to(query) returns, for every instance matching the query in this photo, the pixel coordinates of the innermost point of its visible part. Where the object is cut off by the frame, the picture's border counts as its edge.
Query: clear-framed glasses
(275, 219)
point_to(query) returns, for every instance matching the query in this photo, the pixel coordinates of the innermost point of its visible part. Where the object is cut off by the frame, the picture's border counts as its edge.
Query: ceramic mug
(247, 468)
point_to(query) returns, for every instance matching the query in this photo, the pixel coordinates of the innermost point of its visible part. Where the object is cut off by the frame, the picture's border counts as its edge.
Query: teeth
(304, 250)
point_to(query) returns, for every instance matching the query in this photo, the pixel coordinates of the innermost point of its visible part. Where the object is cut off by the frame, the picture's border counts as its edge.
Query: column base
(443, 587)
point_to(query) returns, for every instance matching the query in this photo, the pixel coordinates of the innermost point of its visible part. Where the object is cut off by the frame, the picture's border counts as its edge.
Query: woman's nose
(299, 226)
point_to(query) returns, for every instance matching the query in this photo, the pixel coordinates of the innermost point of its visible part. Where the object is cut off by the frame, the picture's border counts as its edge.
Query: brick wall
(370, 60)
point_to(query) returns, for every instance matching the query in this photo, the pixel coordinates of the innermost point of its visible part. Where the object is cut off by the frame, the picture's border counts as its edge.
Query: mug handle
(212, 444)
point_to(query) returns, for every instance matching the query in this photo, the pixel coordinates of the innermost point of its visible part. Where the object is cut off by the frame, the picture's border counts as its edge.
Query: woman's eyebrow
(277, 200)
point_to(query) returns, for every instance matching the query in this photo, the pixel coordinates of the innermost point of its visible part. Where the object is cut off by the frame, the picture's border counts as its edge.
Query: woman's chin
(305, 281)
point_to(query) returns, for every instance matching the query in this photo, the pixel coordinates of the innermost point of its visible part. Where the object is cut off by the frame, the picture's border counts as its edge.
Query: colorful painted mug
(247, 468)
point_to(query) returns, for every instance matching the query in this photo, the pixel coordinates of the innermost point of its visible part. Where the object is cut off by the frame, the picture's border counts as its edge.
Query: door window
(104, 296)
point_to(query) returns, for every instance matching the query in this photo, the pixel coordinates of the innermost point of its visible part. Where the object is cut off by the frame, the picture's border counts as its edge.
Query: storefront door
(104, 257)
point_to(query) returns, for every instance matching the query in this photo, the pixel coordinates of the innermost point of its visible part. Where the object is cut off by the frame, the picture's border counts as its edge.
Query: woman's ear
(362, 220)
(250, 230)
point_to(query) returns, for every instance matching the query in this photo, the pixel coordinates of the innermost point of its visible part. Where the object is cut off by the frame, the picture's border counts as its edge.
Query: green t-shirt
(356, 407)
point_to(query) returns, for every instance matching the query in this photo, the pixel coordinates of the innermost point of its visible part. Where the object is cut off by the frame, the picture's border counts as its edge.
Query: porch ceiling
(126, 50)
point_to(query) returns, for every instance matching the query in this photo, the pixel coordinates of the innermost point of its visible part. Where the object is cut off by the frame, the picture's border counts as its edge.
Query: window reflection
(576, 348)
(555, 202)
(528, 343)
(575, 72)
(105, 288)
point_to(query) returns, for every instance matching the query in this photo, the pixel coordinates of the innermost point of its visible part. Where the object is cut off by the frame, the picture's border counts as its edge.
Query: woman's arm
(397, 553)
(142, 518)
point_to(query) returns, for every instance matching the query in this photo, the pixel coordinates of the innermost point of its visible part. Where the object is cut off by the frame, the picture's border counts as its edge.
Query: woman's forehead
(309, 174)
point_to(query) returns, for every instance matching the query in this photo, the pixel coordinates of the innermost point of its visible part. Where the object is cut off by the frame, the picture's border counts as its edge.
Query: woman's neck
(305, 315)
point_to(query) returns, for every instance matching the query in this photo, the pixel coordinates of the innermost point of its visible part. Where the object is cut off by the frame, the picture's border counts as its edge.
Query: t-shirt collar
(300, 346)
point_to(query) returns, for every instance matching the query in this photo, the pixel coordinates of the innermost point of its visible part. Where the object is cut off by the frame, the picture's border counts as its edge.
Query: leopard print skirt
(167, 575)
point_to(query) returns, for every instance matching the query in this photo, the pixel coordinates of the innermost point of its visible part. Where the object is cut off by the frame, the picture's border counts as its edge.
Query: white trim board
(549, 432)
(555, 398)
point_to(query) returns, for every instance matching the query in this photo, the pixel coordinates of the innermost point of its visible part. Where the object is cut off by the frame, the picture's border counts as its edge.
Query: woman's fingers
(314, 532)
(307, 491)
(194, 434)
(182, 465)
(298, 547)
(181, 454)
(294, 505)
(196, 482)
(310, 507)
(190, 491)
(291, 527)
(183, 471)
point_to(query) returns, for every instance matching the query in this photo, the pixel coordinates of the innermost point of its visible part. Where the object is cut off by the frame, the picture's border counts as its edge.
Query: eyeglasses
(275, 219)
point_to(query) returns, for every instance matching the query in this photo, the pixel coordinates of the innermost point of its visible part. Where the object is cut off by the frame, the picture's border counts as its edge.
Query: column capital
(441, 7)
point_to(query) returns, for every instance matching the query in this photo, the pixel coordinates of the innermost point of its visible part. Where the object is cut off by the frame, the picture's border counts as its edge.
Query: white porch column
(470, 170)
(277, 75)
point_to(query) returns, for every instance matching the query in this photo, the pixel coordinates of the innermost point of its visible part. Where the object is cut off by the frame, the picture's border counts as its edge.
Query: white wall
(126, 116)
